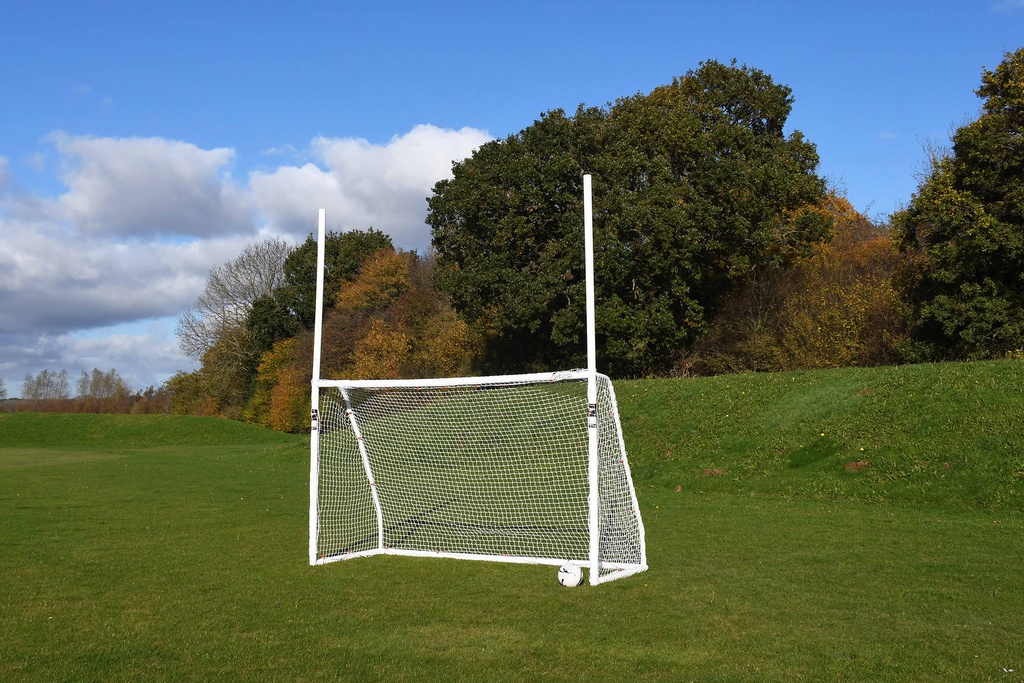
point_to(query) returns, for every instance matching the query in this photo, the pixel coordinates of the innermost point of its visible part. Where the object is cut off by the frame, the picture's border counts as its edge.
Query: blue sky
(143, 143)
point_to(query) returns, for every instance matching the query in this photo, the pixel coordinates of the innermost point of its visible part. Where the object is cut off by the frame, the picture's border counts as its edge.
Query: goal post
(314, 436)
(593, 441)
(528, 468)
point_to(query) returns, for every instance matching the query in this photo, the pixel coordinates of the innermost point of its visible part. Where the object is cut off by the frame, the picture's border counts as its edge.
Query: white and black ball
(570, 575)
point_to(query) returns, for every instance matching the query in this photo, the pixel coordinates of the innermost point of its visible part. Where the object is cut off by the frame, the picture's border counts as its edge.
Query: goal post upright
(314, 438)
(318, 325)
(592, 433)
(588, 242)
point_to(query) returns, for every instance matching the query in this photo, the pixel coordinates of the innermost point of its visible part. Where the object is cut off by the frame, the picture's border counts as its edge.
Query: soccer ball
(570, 575)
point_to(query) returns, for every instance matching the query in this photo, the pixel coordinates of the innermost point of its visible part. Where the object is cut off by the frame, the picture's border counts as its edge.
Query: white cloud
(363, 184)
(36, 161)
(53, 280)
(143, 220)
(289, 197)
(145, 354)
(149, 186)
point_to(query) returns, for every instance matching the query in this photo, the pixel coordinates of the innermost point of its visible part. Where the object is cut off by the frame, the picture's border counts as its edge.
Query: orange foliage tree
(842, 305)
(280, 398)
(845, 306)
(406, 327)
(389, 322)
(382, 353)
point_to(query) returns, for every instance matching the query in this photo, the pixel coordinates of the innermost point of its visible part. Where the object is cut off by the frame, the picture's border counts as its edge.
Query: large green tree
(967, 221)
(696, 186)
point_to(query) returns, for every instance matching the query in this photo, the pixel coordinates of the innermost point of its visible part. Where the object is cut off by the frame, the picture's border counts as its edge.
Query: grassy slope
(174, 549)
(947, 435)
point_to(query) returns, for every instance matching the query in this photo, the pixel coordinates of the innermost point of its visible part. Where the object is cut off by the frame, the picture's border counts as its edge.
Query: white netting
(483, 468)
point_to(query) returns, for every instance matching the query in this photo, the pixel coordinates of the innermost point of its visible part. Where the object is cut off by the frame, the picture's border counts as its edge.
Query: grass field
(174, 548)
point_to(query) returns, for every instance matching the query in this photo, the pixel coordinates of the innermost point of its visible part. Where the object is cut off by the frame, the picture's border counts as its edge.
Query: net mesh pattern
(493, 469)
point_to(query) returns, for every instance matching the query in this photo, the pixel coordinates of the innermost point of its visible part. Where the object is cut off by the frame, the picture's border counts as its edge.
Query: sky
(144, 143)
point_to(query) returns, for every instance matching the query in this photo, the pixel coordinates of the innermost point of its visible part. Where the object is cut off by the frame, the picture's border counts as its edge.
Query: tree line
(719, 248)
(94, 392)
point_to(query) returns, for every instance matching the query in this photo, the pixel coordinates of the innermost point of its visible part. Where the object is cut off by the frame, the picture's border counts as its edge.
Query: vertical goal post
(528, 468)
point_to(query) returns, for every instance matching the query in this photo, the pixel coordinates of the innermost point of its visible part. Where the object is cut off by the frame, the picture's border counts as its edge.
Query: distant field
(174, 548)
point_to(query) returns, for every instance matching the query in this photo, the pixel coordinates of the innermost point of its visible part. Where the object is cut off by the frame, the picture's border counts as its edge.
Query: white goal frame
(605, 450)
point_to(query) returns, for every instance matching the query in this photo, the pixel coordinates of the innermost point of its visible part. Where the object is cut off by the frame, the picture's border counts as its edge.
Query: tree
(841, 306)
(102, 385)
(389, 321)
(216, 329)
(392, 322)
(281, 396)
(3, 389)
(152, 401)
(383, 278)
(344, 254)
(967, 223)
(187, 394)
(46, 386)
(845, 306)
(696, 186)
(382, 351)
(103, 391)
(270, 321)
(223, 307)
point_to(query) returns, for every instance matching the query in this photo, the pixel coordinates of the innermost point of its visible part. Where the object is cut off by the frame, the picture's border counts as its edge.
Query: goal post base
(606, 573)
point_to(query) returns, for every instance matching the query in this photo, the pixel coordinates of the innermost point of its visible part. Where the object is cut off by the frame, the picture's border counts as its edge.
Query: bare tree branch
(220, 312)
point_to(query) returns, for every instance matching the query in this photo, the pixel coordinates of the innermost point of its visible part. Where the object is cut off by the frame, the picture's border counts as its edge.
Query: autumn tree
(46, 386)
(842, 305)
(696, 186)
(102, 385)
(288, 312)
(214, 329)
(967, 223)
(153, 400)
(188, 395)
(403, 326)
(388, 322)
(845, 303)
(280, 399)
(103, 391)
(344, 254)
(381, 352)
(263, 296)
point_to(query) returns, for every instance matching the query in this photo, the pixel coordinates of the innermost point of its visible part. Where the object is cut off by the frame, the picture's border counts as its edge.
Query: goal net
(515, 468)
(488, 468)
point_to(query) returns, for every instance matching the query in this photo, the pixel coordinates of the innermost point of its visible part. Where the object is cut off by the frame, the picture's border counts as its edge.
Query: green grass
(170, 548)
(948, 435)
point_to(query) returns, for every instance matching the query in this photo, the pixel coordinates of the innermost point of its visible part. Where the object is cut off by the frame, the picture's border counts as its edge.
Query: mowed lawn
(175, 548)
